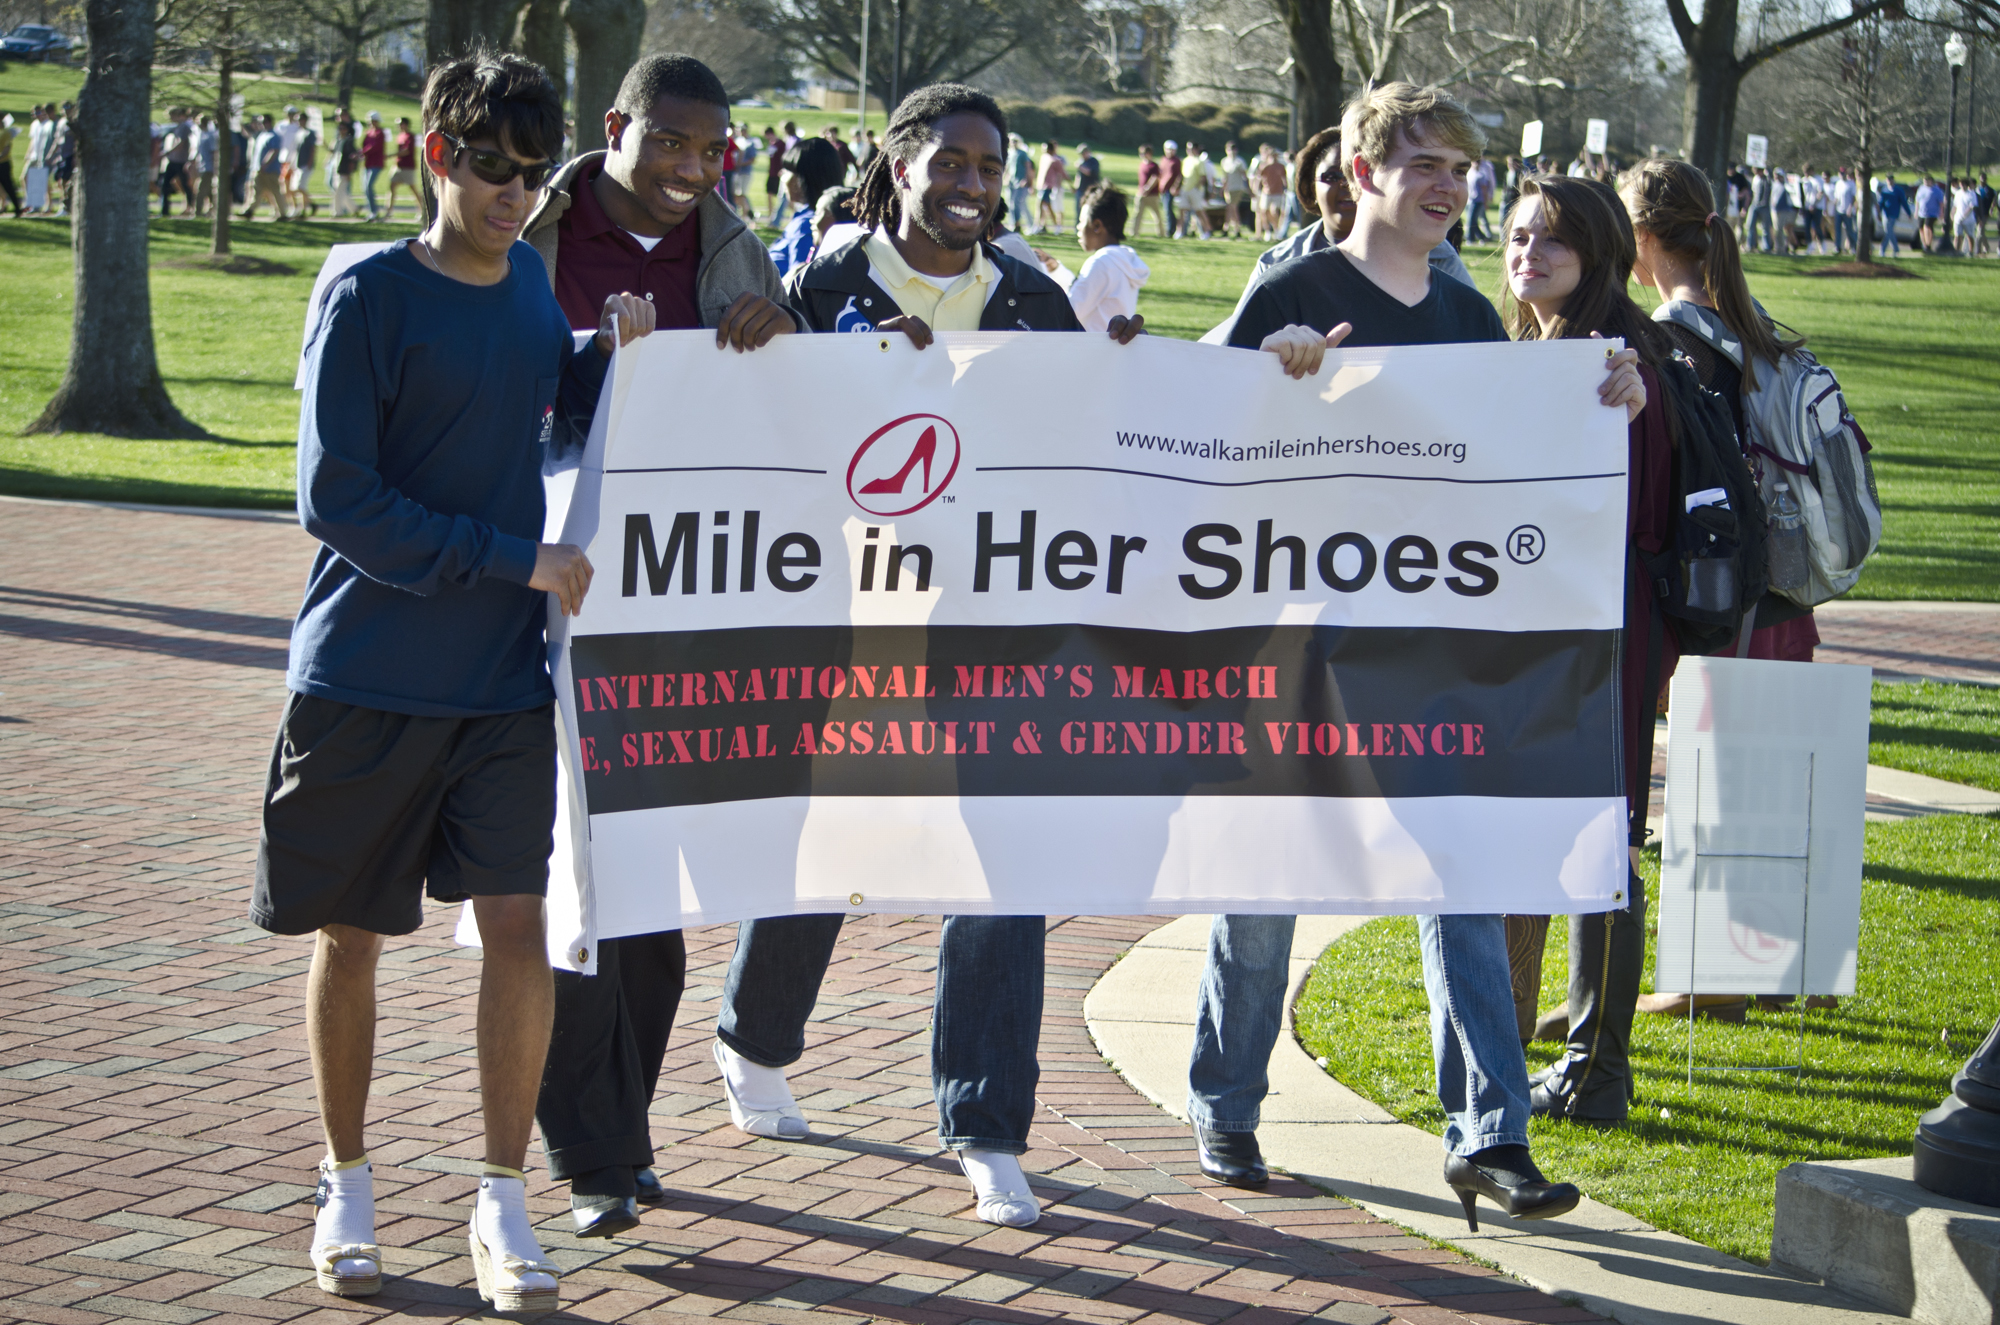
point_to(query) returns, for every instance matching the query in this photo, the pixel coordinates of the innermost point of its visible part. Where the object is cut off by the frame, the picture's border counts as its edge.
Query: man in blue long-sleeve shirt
(417, 748)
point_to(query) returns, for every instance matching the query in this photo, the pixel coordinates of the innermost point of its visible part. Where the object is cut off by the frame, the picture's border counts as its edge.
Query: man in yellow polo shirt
(921, 265)
(925, 203)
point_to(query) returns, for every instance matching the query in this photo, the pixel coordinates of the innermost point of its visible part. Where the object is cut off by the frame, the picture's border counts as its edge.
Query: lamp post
(1954, 54)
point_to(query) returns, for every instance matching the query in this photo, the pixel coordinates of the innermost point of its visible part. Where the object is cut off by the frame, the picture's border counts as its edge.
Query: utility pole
(896, 62)
(861, 112)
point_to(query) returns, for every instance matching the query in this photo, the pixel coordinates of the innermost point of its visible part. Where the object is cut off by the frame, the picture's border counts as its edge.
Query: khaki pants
(267, 186)
(204, 193)
(1150, 202)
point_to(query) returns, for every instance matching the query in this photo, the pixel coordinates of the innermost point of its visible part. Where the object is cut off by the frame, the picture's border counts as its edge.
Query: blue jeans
(773, 982)
(1238, 1010)
(1482, 1076)
(1890, 243)
(1843, 232)
(368, 178)
(1760, 220)
(985, 1029)
(1018, 217)
(1170, 213)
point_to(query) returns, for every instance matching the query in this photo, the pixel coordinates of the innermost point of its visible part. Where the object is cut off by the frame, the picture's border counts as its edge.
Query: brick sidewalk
(157, 1131)
(1935, 641)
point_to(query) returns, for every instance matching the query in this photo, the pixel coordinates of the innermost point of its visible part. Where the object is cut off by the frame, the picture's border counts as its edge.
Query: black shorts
(365, 811)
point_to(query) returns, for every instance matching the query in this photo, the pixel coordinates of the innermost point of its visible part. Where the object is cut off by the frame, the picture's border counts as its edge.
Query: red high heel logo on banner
(904, 466)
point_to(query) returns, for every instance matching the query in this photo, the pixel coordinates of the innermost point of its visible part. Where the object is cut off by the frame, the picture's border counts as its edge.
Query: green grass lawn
(1915, 358)
(1702, 1160)
(1945, 731)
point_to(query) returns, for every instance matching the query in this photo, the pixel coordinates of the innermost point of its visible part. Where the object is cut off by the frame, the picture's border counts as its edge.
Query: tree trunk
(540, 38)
(1708, 113)
(350, 56)
(607, 44)
(225, 142)
(112, 384)
(1316, 55)
(453, 27)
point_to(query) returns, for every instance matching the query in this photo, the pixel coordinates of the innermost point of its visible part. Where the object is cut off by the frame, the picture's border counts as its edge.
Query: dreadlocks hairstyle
(487, 92)
(1672, 202)
(912, 126)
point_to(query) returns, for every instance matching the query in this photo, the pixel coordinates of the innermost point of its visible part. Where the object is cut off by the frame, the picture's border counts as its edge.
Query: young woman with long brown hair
(1569, 252)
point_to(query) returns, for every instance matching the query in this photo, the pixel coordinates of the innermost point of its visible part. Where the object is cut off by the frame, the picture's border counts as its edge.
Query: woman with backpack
(1688, 254)
(1569, 251)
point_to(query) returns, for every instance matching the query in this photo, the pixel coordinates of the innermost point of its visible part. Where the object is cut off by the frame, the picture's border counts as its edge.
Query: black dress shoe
(1506, 1176)
(648, 1182)
(1232, 1158)
(603, 1216)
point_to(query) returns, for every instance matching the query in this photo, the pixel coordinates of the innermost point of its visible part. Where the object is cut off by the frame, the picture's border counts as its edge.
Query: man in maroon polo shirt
(644, 217)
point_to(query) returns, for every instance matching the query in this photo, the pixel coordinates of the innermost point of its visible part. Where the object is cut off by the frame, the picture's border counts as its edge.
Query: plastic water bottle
(1789, 569)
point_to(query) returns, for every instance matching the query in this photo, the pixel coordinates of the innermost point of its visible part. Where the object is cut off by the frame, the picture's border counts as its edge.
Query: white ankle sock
(502, 1207)
(346, 1200)
(999, 1188)
(994, 1173)
(757, 1088)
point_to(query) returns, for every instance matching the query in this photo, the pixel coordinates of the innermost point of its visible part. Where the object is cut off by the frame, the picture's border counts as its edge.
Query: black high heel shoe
(1506, 1176)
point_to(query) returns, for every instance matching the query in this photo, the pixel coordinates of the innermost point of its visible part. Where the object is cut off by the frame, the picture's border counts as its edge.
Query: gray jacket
(733, 260)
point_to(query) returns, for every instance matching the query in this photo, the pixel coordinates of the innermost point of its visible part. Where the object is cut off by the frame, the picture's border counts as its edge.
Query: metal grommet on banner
(855, 899)
(885, 346)
(583, 956)
(1618, 897)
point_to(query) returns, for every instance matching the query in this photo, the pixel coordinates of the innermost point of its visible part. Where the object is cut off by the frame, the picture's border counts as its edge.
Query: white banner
(1041, 624)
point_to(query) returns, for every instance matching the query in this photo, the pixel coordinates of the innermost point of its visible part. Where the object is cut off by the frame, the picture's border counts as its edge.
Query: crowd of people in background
(46, 162)
(1182, 190)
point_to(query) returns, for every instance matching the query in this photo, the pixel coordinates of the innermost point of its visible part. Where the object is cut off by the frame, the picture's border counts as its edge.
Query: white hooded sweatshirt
(1108, 286)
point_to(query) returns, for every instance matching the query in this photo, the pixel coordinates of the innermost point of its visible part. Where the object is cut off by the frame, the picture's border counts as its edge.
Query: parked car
(35, 41)
(755, 103)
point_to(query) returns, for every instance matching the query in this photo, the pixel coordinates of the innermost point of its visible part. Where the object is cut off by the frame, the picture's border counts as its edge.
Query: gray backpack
(1800, 430)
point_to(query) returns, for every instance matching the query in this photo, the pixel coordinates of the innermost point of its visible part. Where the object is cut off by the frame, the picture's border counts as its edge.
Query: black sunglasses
(498, 167)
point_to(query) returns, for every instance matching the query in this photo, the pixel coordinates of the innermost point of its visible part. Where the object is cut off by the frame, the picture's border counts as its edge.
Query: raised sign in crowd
(419, 744)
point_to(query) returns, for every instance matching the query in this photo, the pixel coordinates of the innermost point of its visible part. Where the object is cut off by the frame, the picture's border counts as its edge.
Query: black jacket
(833, 292)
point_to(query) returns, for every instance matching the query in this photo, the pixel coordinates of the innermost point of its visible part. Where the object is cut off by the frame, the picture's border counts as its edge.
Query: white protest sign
(882, 641)
(1757, 150)
(1531, 138)
(1760, 856)
(1595, 134)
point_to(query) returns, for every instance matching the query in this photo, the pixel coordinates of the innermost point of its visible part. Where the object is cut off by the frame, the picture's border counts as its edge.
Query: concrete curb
(1141, 1016)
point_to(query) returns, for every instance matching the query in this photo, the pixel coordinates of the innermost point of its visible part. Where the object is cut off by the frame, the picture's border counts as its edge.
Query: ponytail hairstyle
(1586, 215)
(1672, 202)
(910, 129)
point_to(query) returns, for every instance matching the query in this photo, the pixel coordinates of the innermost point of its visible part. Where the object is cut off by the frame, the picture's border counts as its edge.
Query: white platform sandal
(342, 1265)
(515, 1285)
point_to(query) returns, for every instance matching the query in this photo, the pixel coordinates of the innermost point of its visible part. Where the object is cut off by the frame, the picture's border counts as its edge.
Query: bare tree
(942, 39)
(540, 38)
(1236, 49)
(232, 36)
(112, 383)
(1715, 70)
(742, 57)
(607, 36)
(355, 23)
(453, 27)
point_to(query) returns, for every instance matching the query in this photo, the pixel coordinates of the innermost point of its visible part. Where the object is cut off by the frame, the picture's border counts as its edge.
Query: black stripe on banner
(697, 717)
